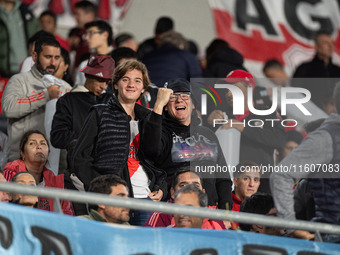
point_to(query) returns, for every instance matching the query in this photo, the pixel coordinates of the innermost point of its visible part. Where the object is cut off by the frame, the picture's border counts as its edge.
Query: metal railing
(138, 204)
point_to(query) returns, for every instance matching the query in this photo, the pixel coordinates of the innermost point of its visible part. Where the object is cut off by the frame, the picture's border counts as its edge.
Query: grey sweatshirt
(316, 148)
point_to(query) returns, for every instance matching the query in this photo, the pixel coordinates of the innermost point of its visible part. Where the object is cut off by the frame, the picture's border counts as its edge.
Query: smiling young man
(25, 95)
(109, 142)
(177, 140)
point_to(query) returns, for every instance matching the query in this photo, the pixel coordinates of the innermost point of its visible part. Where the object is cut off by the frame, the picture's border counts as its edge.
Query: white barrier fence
(137, 204)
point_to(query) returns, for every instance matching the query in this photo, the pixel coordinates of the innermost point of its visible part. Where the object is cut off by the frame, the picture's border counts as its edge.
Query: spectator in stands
(126, 40)
(319, 147)
(109, 142)
(48, 23)
(123, 54)
(184, 176)
(57, 158)
(320, 67)
(313, 125)
(221, 59)
(177, 140)
(25, 178)
(25, 95)
(192, 196)
(274, 71)
(72, 109)
(85, 12)
(34, 150)
(246, 181)
(111, 185)
(259, 203)
(28, 62)
(74, 39)
(63, 70)
(164, 24)
(258, 139)
(171, 60)
(99, 37)
(294, 138)
(4, 196)
(17, 25)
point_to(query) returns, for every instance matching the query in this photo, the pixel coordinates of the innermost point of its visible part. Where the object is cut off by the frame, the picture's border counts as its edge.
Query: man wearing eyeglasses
(99, 37)
(176, 140)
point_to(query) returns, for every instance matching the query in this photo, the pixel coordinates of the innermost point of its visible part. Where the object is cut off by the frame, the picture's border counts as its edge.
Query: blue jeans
(138, 217)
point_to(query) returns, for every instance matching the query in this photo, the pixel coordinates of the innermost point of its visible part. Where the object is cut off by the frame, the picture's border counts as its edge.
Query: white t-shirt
(139, 179)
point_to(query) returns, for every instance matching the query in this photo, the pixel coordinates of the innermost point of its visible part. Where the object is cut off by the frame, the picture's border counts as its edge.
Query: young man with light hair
(246, 183)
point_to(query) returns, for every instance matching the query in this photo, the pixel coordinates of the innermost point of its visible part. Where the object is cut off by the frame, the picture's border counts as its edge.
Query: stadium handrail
(138, 204)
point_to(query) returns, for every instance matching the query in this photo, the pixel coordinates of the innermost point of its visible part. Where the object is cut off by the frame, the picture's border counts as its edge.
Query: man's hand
(216, 114)
(156, 195)
(303, 234)
(233, 123)
(227, 224)
(53, 91)
(163, 97)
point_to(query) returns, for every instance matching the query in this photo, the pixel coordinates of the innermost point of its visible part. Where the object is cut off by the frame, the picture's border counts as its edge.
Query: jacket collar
(317, 60)
(140, 111)
(96, 216)
(36, 73)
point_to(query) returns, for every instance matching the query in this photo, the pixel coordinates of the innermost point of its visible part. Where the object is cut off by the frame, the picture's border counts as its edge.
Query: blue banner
(32, 231)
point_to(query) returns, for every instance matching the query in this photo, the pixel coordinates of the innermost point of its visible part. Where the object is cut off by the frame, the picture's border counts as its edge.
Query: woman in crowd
(109, 141)
(34, 151)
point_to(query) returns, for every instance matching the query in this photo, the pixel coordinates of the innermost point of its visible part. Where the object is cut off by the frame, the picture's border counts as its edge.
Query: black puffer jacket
(71, 112)
(103, 146)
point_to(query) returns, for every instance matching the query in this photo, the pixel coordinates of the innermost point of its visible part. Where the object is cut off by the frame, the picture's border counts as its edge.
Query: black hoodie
(172, 145)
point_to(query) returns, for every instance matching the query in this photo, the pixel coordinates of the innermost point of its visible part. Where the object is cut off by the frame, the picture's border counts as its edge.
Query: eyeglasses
(90, 33)
(184, 96)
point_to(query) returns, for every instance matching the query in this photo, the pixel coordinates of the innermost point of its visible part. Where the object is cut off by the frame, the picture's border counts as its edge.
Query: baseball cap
(100, 66)
(240, 75)
(178, 85)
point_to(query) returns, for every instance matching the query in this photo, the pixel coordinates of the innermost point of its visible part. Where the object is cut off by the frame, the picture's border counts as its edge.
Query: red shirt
(157, 219)
(236, 208)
